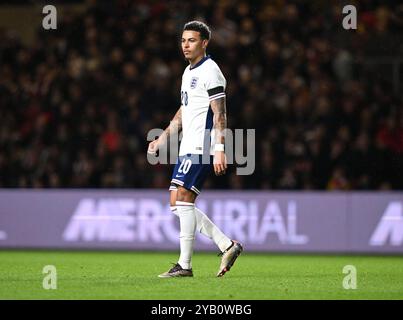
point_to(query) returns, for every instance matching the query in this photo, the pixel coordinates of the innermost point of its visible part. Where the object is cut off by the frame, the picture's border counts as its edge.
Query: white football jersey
(201, 84)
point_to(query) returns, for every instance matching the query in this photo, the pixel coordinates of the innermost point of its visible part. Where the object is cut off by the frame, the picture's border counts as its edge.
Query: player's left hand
(220, 163)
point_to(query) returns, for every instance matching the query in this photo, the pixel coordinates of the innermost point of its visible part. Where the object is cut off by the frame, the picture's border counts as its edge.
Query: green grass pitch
(133, 275)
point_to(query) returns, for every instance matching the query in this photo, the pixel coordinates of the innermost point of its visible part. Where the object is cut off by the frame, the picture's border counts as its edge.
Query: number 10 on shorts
(185, 166)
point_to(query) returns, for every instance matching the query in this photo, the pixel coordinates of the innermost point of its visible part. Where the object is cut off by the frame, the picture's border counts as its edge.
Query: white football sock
(187, 219)
(210, 230)
(206, 227)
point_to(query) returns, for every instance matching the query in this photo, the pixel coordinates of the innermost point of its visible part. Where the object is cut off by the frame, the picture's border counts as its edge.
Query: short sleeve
(215, 84)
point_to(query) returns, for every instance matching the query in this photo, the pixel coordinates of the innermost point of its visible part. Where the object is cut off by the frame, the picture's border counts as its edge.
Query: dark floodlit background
(76, 103)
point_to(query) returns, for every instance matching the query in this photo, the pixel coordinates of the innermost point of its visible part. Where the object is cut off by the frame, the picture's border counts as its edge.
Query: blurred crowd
(77, 104)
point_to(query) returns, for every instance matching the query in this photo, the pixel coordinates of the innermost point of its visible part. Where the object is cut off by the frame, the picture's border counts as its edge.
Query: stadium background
(76, 104)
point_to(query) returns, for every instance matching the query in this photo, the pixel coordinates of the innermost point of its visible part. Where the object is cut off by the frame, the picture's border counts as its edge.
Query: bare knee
(185, 195)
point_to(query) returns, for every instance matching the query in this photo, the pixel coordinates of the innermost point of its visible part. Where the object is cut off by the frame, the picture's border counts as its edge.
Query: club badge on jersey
(193, 82)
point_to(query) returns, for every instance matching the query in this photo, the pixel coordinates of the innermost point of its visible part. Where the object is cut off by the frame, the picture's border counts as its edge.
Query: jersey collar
(200, 62)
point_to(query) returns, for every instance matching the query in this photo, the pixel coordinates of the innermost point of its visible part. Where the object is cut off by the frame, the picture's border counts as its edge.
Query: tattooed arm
(219, 125)
(174, 128)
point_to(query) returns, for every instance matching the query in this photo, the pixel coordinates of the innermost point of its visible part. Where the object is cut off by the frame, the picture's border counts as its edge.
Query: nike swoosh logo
(178, 176)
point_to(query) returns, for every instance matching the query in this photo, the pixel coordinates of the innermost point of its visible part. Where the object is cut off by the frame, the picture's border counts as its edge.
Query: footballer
(203, 120)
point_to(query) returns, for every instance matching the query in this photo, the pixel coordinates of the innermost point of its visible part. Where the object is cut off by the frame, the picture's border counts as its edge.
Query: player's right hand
(153, 147)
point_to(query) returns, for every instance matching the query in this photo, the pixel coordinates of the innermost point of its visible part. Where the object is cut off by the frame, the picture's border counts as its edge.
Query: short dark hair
(201, 27)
